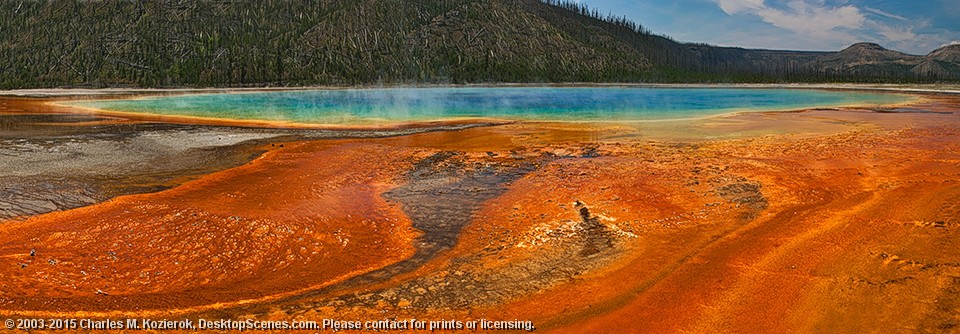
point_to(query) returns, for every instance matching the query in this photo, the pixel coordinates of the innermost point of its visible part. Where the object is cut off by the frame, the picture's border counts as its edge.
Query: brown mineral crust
(815, 221)
(654, 212)
(825, 243)
(280, 224)
(765, 233)
(770, 234)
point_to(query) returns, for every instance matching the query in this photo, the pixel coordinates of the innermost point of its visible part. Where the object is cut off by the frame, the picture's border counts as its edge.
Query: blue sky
(917, 26)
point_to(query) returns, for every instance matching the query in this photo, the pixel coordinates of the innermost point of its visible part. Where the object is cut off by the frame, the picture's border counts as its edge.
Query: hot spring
(369, 106)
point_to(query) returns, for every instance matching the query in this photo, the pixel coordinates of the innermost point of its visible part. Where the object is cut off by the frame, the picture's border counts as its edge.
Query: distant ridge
(183, 43)
(873, 59)
(949, 53)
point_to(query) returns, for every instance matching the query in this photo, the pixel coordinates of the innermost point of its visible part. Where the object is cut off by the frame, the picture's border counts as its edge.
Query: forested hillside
(175, 43)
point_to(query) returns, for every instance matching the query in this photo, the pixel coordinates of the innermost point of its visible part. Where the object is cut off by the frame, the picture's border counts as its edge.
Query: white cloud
(896, 34)
(951, 43)
(814, 20)
(823, 25)
(733, 7)
(885, 14)
(802, 17)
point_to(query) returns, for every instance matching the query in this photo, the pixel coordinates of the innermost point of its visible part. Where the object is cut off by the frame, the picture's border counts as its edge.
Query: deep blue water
(364, 106)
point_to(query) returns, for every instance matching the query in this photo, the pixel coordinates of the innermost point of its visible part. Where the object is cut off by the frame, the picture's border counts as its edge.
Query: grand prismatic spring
(358, 106)
(564, 209)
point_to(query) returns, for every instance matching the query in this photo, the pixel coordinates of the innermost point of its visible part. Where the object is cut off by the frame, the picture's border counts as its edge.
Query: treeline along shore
(208, 43)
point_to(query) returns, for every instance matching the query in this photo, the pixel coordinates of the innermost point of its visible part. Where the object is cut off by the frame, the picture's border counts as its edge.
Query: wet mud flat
(824, 220)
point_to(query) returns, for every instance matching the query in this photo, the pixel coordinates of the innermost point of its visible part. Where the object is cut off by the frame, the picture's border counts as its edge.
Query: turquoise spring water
(367, 106)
